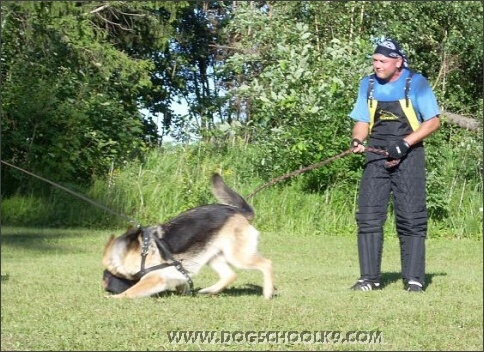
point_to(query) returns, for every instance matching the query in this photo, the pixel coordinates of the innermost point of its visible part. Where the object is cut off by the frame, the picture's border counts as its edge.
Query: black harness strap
(371, 82)
(165, 253)
(407, 87)
(145, 271)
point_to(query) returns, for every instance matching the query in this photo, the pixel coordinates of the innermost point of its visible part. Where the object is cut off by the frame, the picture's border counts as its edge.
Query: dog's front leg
(183, 289)
(147, 286)
(225, 273)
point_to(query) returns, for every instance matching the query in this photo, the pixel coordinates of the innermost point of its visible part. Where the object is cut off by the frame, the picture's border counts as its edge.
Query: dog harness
(146, 235)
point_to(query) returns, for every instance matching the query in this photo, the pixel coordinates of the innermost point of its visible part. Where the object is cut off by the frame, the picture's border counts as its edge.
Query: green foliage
(294, 90)
(296, 100)
(454, 158)
(443, 41)
(76, 110)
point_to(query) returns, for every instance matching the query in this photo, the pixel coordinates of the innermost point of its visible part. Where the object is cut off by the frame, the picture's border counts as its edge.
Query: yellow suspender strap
(407, 107)
(372, 104)
(409, 112)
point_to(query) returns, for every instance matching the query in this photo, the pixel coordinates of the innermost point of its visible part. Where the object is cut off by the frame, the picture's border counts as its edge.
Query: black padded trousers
(406, 183)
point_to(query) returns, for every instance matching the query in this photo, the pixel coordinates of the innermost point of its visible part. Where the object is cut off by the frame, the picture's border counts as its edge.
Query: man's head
(388, 60)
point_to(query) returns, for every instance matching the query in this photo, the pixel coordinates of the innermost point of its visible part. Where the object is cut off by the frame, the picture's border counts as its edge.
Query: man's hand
(398, 149)
(357, 146)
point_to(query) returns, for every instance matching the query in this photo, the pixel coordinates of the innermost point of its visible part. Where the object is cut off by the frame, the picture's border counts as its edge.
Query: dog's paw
(269, 294)
(207, 292)
(112, 296)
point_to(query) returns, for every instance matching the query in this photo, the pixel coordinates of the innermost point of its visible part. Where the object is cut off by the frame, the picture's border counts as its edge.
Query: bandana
(391, 48)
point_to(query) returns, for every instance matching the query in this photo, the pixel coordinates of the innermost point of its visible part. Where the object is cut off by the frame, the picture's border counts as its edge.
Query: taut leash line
(136, 223)
(318, 164)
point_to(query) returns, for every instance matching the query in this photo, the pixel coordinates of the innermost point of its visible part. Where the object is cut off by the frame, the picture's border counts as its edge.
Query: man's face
(386, 68)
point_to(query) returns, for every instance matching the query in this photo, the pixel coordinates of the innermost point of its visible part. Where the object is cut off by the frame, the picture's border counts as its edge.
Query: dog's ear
(133, 233)
(108, 243)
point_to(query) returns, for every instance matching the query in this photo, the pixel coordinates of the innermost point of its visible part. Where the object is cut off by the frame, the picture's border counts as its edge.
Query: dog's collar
(146, 238)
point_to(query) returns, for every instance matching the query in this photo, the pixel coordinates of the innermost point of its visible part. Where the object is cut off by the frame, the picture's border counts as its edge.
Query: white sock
(412, 282)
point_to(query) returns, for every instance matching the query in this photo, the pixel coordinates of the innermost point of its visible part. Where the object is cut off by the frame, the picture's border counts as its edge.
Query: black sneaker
(365, 285)
(414, 286)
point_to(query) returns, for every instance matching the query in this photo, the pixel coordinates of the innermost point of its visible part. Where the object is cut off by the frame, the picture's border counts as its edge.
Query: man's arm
(425, 129)
(360, 132)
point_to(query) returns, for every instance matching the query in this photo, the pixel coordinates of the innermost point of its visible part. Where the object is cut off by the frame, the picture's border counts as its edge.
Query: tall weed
(173, 179)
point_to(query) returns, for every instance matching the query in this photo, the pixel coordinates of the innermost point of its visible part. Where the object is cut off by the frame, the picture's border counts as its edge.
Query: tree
(71, 94)
(293, 90)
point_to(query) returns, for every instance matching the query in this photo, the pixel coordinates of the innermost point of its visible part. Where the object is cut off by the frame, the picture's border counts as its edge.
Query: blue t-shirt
(421, 94)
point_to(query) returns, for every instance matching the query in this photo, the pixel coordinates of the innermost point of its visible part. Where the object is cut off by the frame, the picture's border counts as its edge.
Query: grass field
(52, 298)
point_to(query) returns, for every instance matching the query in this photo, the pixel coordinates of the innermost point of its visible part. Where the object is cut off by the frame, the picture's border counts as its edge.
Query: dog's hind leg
(225, 273)
(258, 262)
(243, 254)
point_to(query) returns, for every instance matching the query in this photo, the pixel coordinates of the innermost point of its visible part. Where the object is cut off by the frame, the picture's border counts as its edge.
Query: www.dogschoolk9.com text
(275, 337)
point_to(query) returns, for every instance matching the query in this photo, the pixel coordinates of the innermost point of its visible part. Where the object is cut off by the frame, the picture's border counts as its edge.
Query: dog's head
(114, 284)
(118, 256)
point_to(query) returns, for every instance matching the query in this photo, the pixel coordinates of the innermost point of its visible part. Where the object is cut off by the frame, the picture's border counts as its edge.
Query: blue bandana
(391, 48)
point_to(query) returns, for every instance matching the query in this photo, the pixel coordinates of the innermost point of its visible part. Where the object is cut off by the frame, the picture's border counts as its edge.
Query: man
(396, 110)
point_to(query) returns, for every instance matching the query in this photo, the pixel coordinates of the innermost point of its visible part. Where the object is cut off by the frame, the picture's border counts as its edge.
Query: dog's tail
(228, 196)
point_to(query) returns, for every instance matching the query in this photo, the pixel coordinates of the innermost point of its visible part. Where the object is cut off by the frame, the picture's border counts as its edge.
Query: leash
(78, 195)
(388, 164)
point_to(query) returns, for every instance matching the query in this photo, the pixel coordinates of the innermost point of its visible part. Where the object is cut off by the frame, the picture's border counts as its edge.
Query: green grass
(52, 297)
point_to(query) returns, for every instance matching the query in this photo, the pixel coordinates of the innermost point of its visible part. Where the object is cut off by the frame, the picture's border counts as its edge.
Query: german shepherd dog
(220, 235)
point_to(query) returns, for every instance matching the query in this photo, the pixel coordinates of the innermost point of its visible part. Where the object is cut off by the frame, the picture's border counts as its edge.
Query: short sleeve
(360, 111)
(426, 104)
